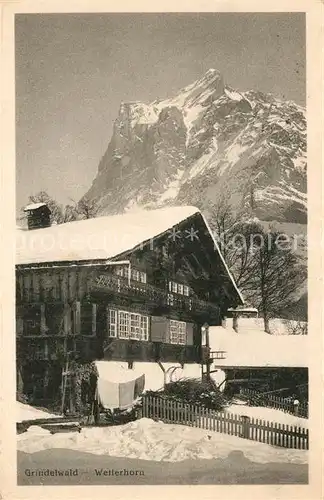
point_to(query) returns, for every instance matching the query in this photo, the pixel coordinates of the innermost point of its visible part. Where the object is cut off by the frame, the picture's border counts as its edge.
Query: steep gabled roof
(104, 238)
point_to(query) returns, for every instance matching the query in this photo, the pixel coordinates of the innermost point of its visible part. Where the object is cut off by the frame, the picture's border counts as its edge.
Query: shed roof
(35, 206)
(253, 347)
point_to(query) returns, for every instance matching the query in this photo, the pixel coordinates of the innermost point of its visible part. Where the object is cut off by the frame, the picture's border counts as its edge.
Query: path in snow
(234, 469)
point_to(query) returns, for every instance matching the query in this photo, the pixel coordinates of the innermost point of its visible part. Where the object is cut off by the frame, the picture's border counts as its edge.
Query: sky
(74, 70)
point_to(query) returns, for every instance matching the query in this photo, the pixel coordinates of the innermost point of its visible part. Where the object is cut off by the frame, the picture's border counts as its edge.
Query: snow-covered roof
(97, 238)
(252, 347)
(243, 309)
(34, 206)
(103, 238)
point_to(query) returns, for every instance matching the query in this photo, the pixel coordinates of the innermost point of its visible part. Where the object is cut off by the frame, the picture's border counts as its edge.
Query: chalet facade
(132, 287)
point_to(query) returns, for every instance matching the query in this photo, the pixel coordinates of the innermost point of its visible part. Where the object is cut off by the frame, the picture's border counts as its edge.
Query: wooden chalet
(131, 287)
(38, 215)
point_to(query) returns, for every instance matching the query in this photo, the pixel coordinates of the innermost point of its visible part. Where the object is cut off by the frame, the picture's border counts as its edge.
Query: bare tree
(87, 208)
(84, 209)
(297, 327)
(274, 276)
(222, 222)
(57, 210)
(59, 213)
(267, 272)
(233, 234)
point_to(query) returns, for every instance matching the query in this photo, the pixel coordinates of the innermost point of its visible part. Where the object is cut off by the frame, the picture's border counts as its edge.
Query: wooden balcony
(157, 299)
(133, 350)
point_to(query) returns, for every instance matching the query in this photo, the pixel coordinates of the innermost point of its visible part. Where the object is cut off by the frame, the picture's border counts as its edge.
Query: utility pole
(208, 352)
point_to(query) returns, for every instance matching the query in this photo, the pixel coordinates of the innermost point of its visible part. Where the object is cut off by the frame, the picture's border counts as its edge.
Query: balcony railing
(151, 295)
(218, 355)
(131, 350)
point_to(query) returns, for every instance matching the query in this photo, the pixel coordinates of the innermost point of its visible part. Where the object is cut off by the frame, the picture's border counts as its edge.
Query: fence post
(296, 407)
(139, 411)
(245, 426)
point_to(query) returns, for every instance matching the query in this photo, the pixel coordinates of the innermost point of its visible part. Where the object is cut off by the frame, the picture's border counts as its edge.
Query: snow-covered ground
(27, 412)
(149, 440)
(270, 414)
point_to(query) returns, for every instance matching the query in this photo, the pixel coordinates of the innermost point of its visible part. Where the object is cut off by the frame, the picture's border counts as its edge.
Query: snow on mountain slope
(207, 140)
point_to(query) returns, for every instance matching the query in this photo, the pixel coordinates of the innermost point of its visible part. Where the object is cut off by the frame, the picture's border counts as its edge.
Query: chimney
(38, 215)
(242, 312)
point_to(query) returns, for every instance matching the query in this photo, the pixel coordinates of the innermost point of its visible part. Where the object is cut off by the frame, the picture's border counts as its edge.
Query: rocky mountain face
(206, 143)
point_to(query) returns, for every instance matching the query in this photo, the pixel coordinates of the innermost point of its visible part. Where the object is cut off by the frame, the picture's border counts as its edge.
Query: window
(135, 326)
(122, 271)
(170, 299)
(112, 323)
(179, 288)
(137, 275)
(123, 325)
(177, 332)
(54, 314)
(40, 351)
(32, 320)
(142, 277)
(144, 328)
(128, 325)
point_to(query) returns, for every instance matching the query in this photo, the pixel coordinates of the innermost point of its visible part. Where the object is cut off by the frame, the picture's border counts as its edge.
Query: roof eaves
(223, 260)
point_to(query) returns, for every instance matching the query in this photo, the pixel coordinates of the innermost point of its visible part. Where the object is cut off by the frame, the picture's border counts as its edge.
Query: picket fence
(176, 412)
(272, 401)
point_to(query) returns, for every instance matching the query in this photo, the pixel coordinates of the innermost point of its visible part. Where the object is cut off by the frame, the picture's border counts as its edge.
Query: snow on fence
(176, 412)
(270, 401)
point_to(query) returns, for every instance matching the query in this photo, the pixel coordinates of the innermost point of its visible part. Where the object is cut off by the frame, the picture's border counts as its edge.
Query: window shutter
(94, 319)
(87, 318)
(77, 321)
(42, 319)
(159, 329)
(167, 333)
(190, 333)
(67, 319)
(19, 320)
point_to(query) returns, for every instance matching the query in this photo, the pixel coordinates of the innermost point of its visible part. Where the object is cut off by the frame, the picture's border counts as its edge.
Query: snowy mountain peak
(211, 76)
(211, 71)
(208, 141)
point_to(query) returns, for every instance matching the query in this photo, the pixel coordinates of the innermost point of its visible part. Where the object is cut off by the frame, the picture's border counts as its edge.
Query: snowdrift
(27, 412)
(149, 440)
